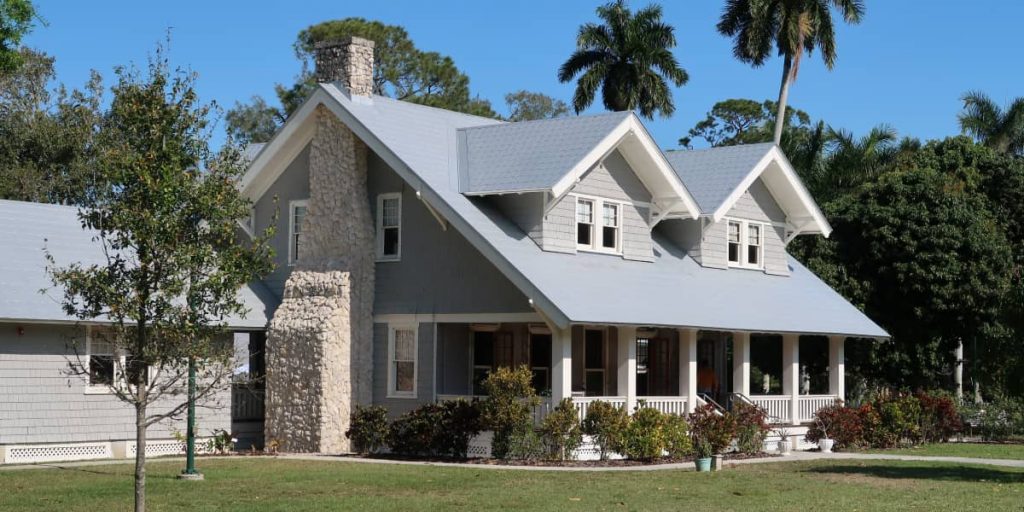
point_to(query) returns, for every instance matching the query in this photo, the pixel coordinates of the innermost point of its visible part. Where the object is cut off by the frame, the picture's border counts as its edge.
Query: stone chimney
(349, 61)
(320, 341)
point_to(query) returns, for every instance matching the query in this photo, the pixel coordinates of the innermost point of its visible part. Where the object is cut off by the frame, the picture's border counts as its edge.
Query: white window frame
(597, 227)
(120, 364)
(392, 374)
(745, 243)
(380, 226)
(292, 205)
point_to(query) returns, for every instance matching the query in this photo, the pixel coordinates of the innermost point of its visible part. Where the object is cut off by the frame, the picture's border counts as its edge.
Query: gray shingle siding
(439, 271)
(41, 402)
(293, 184)
(614, 180)
(424, 370)
(755, 204)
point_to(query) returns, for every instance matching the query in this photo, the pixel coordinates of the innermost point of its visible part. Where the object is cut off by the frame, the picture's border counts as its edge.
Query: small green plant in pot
(703, 451)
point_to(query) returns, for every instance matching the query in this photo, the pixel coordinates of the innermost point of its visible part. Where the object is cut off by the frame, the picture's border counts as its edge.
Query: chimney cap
(332, 43)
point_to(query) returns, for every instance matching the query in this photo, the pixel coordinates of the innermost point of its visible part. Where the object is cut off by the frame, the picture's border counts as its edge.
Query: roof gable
(718, 177)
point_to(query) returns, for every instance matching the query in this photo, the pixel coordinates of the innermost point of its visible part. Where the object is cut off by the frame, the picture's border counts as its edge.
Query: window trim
(597, 225)
(745, 243)
(392, 374)
(379, 224)
(120, 357)
(292, 205)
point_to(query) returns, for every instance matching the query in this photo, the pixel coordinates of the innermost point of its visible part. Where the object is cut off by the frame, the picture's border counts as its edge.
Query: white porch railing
(809, 405)
(666, 404)
(582, 403)
(777, 406)
(539, 412)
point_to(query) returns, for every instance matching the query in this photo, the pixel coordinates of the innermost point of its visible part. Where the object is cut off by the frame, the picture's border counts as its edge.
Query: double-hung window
(745, 241)
(107, 367)
(389, 227)
(296, 214)
(598, 225)
(402, 361)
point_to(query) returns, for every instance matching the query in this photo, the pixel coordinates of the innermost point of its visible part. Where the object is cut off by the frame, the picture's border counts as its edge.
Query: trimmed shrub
(843, 425)
(940, 419)
(677, 437)
(751, 428)
(508, 408)
(712, 432)
(460, 422)
(524, 444)
(1001, 420)
(607, 425)
(561, 430)
(899, 421)
(644, 437)
(368, 429)
(414, 433)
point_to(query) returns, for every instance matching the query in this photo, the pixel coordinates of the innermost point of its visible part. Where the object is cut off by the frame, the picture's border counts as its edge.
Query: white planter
(785, 446)
(825, 445)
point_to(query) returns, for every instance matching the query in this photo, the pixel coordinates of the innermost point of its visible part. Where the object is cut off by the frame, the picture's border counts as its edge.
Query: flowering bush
(940, 419)
(842, 424)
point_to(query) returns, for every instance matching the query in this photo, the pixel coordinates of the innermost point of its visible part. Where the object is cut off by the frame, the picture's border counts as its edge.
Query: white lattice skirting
(27, 454)
(165, 447)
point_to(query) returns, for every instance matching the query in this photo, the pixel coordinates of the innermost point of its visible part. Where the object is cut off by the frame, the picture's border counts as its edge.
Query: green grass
(978, 450)
(291, 485)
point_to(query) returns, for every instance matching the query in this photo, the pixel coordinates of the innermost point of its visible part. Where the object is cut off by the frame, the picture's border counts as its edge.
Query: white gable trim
(632, 127)
(817, 221)
(282, 149)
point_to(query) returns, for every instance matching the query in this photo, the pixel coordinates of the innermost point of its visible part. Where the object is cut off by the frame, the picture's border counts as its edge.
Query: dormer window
(584, 223)
(598, 225)
(746, 242)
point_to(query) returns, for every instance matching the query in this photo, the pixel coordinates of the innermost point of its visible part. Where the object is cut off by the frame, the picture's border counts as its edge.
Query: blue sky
(906, 64)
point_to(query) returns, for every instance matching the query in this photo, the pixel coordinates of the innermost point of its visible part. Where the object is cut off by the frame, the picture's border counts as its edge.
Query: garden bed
(610, 463)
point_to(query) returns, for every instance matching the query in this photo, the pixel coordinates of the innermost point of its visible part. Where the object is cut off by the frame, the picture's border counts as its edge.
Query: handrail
(704, 397)
(748, 401)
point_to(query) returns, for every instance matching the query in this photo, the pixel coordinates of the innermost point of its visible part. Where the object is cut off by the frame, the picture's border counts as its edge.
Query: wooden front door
(662, 367)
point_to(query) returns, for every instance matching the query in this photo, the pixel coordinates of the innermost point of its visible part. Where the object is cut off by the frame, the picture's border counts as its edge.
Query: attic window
(598, 225)
(389, 227)
(610, 227)
(746, 244)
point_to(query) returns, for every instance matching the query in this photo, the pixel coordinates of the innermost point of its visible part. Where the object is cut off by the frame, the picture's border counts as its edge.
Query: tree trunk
(140, 449)
(787, 79)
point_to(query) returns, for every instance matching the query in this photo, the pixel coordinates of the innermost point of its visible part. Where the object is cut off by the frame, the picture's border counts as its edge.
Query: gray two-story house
(419, 249)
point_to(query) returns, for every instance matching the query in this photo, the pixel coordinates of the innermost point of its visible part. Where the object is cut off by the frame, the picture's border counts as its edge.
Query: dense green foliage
(561, 430)
(751, 428)
(996, 128)
(16, 18)
(605, 423)
(890, 420)
(644, 437)
(528, 106)
(434, 429)
(711, 432)
(629, 58)
(742, 121)
(368, 429)
(47, 137)
(508, 409)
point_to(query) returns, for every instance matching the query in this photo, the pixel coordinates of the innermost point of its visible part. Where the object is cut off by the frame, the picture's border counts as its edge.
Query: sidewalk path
(684, 466)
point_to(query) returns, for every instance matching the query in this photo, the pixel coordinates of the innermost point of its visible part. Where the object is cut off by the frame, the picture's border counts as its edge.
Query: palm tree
(793, 27)
(1001, 130)
(628, 57)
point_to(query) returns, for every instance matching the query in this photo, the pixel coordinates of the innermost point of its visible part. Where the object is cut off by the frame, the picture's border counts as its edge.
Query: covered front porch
(674, 370)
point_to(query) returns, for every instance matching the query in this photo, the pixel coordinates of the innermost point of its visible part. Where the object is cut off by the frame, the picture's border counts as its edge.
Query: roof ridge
(720, 148)
(448, 111)
(547, 120)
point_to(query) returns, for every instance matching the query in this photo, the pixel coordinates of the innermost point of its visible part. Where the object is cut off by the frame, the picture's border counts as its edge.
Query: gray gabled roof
(712, 174)
(528, 156)
(420, 144)
(28, 228)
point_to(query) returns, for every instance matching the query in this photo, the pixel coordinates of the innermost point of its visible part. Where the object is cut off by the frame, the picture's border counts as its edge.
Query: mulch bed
(555, 463)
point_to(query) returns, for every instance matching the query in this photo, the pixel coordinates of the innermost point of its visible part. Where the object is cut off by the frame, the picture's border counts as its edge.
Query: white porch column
(791, 374)
(561, 364)
(741, 363)
(837, 366)
(626, 354)
(688, 367)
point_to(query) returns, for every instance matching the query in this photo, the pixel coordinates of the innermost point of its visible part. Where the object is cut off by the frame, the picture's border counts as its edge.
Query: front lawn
(291, 485)
(977, 450)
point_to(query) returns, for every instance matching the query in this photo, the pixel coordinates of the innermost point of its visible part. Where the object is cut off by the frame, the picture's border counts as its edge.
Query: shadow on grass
(947, 473)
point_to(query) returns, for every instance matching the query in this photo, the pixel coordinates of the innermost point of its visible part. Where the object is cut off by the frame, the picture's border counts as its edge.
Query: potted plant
(785, 445)
(712, 432)
(824, 423)
(703, 450)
